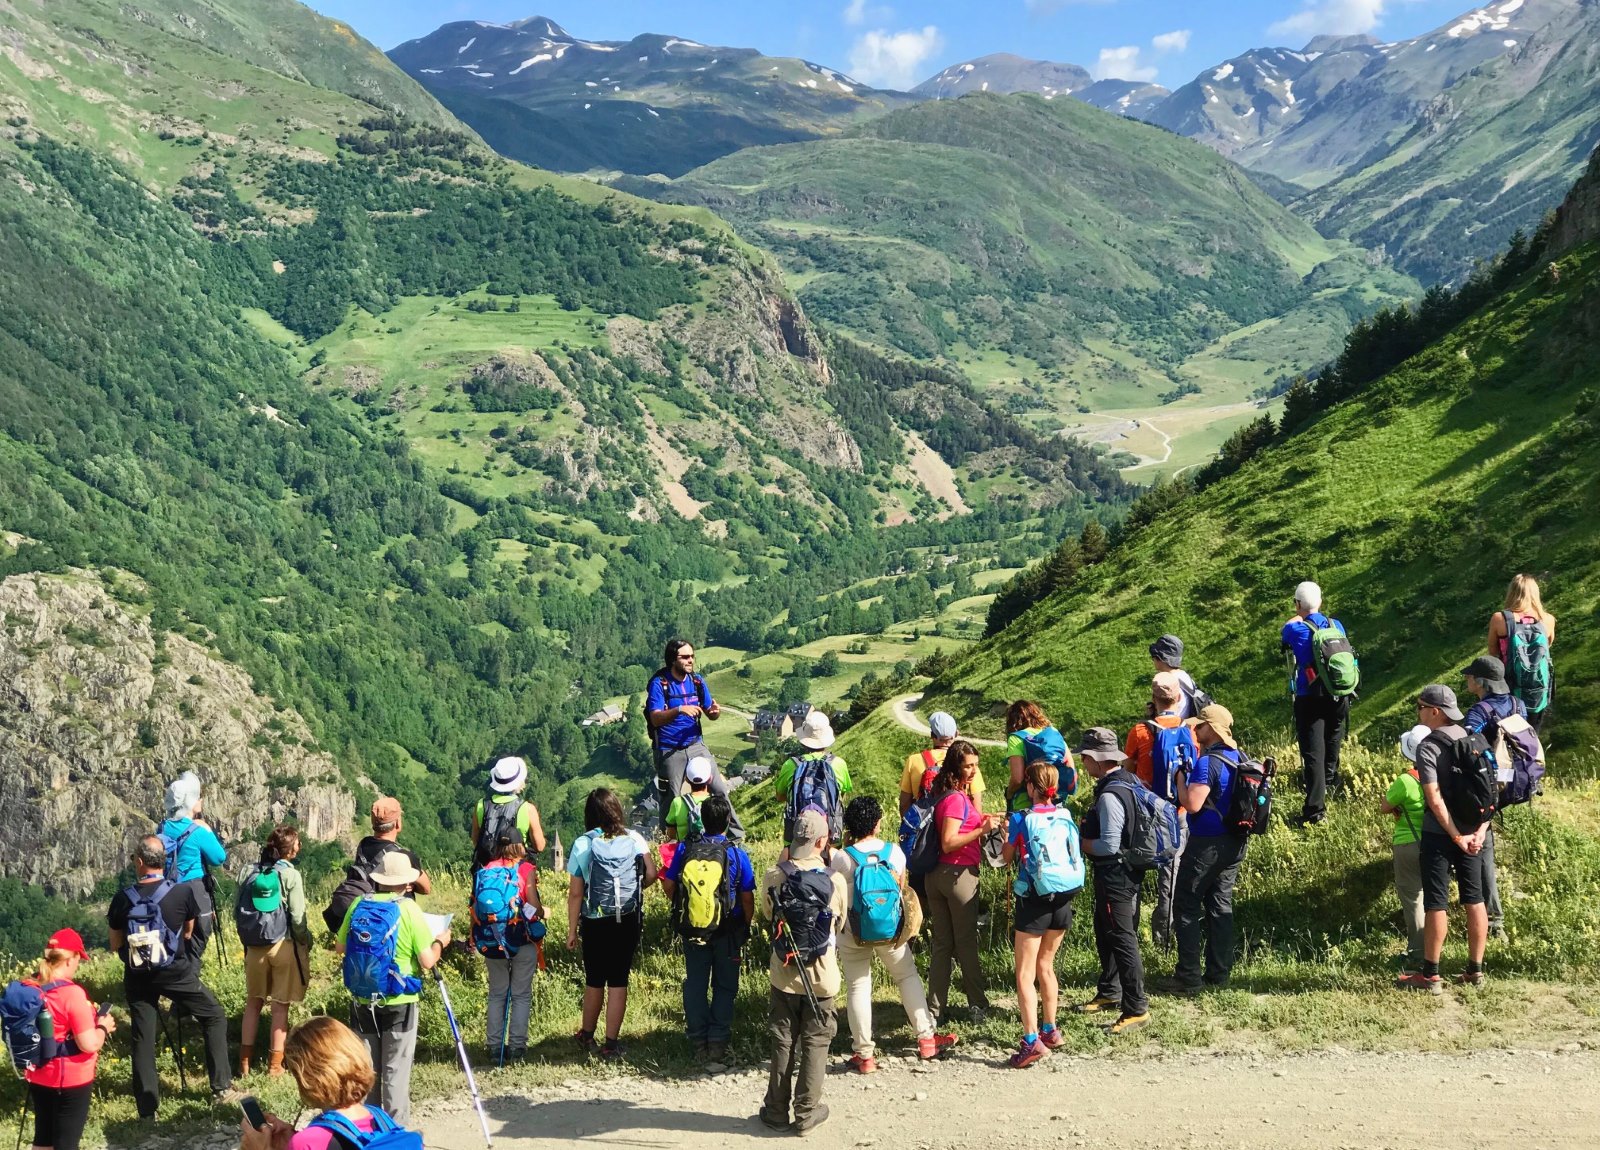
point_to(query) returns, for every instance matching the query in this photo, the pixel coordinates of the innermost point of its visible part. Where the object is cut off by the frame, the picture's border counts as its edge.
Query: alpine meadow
(515, 439)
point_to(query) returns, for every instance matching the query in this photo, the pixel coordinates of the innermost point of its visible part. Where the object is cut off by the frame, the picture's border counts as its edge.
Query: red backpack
(930, 771)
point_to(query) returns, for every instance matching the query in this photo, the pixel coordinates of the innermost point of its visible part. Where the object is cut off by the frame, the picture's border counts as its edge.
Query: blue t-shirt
(665, 693)
(578, 861)
(1297, 638)
(1486, 714)
(200, 849)
(740, 871)
(1213, 769)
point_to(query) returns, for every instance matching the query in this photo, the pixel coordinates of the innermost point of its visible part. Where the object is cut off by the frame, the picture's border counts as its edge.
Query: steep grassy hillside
(1091, 255)
(1411, 504)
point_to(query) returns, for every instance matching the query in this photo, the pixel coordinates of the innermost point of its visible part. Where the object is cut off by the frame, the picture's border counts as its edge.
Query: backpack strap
(928, 761)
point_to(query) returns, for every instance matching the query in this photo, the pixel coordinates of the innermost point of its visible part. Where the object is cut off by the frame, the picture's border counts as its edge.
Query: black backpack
(1250, 801)
(804, 900)
(495, 817)
(1469, 781)
(357, 881)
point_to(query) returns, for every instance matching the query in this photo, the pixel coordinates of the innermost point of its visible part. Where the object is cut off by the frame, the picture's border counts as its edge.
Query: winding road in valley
(902, 708)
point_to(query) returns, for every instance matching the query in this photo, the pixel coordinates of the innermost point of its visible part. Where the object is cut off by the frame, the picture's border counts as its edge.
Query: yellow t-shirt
(911, 776)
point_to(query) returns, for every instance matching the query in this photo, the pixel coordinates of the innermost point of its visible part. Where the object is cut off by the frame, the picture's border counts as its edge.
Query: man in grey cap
(1446, 847)
(1486, 678)
(1166, 654)
(1116, 885)
(916, 778)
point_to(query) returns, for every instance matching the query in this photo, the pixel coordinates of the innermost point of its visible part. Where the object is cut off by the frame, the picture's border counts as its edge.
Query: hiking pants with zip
(390, 1033)
(1204, 902)
(188, 997)
(711, 985)
(1491, 887)
(953, 918)
(1166, 890)
(1116, 938)
(856, 962)
(670, 765)
(800, 1041)
(1319, 723)
(511, 989)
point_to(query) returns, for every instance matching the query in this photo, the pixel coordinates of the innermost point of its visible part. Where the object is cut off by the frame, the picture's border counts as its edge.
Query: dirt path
(1333, 1100)
(901, 709)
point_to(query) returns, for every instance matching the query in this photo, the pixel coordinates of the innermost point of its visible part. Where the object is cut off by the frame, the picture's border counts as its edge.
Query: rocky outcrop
(1578, 218)
(98, 712)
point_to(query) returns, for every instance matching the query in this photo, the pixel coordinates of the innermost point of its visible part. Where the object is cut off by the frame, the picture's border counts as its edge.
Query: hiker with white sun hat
(503, 806)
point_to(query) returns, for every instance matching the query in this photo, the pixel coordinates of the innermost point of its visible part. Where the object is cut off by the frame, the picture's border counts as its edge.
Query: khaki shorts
(271, 972)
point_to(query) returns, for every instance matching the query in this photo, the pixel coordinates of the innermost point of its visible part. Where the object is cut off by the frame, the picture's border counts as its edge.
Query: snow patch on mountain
(467, 45)
(1222, 73)
(531, 61)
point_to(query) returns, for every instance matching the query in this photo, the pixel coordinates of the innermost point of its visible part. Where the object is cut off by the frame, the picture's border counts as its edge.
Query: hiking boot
(1176, 987)
(1421, 983)
(517, 1054)
(275, 1064)
(717, 1052)
(862, 1064)
(977, 1015)
(1026, 1054)
(227, 1096)
(811, 1121)
(244, 1064)
(1128, 1022)
(1098, 1004)
(1304, 821)
(772, 1123)
(611, 1050)
(1051, 1039)
(702, 1053)
(935, 1045)
(585, 1041)
(1470, 978)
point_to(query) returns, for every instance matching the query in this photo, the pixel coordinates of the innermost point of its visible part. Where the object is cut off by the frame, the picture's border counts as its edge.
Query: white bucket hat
(394, 870)
(182, 795)
(1412, 739)
(508, 775)
(816, 733)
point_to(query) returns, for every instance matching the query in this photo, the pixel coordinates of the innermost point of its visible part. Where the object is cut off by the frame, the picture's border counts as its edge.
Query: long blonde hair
(53, 962)
(1522, 596)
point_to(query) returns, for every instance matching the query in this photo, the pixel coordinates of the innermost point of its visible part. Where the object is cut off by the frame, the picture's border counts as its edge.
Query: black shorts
(1036, 914)
(1440, 856)
(609, 946)
(59, 1116)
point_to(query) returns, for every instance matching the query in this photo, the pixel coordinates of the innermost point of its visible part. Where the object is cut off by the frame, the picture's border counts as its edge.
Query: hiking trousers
(188, 997)
(511, 999)
(1116, 938)
(1203, 912)
(1408, 886)
(856, 961)
(1491, 887)
(1161, 918)
(670, 765)
(390, 1033)
(711, 986)
(1319, 723)
(953, 919)
(800, 1041)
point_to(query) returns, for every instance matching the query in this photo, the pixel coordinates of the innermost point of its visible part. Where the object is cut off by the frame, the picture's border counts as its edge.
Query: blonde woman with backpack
(270, 918)
(1525, 620)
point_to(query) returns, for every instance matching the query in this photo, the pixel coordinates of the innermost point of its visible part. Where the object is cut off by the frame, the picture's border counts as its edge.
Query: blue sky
(896, 43)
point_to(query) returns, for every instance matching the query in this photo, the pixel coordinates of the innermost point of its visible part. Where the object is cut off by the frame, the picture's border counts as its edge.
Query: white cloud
(1171, 42)
(1340, 17)
(859, 12)
(893, 59)
(1122, 64)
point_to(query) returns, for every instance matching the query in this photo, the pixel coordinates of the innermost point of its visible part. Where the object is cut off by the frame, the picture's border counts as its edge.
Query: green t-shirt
(678, 816)
(786, 773)
(414, 937)
(1406, 794)
(524, 812)
(1015, 747)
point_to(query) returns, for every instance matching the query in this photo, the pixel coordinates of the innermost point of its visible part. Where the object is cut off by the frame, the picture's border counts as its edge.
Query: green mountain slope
(1412, 504)
(1071, 259)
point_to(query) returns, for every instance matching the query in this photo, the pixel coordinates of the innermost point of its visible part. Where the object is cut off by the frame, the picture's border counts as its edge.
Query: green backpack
(1338, 669)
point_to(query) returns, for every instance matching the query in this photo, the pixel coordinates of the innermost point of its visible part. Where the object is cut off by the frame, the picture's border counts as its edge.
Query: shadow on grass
(591, 1118)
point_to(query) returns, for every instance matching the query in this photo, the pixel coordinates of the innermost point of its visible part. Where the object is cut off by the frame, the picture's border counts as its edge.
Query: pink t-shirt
(957, 805)
(321, 1138)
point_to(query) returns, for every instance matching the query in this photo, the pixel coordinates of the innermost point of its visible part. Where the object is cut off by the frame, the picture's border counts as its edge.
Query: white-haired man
(1320, 718)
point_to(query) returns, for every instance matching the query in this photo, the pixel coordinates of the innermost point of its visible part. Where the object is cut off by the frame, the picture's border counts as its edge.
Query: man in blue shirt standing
(1209, 866)
(1320, 719)
(675, 702)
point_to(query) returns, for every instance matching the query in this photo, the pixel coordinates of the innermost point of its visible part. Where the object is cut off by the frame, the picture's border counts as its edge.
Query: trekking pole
(461, 1049)
(22, 1119)
(805, 975)
(210, 885)
(176, 1046)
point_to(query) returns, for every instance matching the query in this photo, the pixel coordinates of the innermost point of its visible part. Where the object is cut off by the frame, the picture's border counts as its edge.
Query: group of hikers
(1177, 797)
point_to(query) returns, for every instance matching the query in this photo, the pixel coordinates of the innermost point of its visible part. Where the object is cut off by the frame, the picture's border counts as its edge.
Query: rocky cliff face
(98, 712)
(1578, 218)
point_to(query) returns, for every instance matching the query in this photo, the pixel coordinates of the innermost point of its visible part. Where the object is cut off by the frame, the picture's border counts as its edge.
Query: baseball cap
(698, 771)
(941, 725)
(1101, 743)
(1167, 685)
(1169, 649)
(810, 826)
(69, 940)
(1438, 695)
(1491, 672)
(386, 810)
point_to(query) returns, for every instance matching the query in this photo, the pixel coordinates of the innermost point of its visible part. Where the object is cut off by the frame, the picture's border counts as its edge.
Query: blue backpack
(1172, 752)
(28, 1027)
(497, 911)
(918, 841)
(371, 972)
(1154, 833)
(152, 944)
(875, 908)
(815, 787)
(386, 1133)
(172, 845)
(1053, 861)
(616, 877)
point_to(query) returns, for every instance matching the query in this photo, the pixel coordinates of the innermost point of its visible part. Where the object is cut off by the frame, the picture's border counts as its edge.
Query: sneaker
(1470, 978)
(1304, 821)
(611, 1050)
(1052, 1039)
(935, 1045)
(862, 1064)
(585, 1041)
(772, 1123)
(1098, 1004)
(1421, 983)
(1026, 1054)
(1128, 1022)
(811, 1121)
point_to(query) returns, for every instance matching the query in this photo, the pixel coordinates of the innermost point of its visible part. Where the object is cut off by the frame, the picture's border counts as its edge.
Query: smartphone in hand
(253, 1113)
